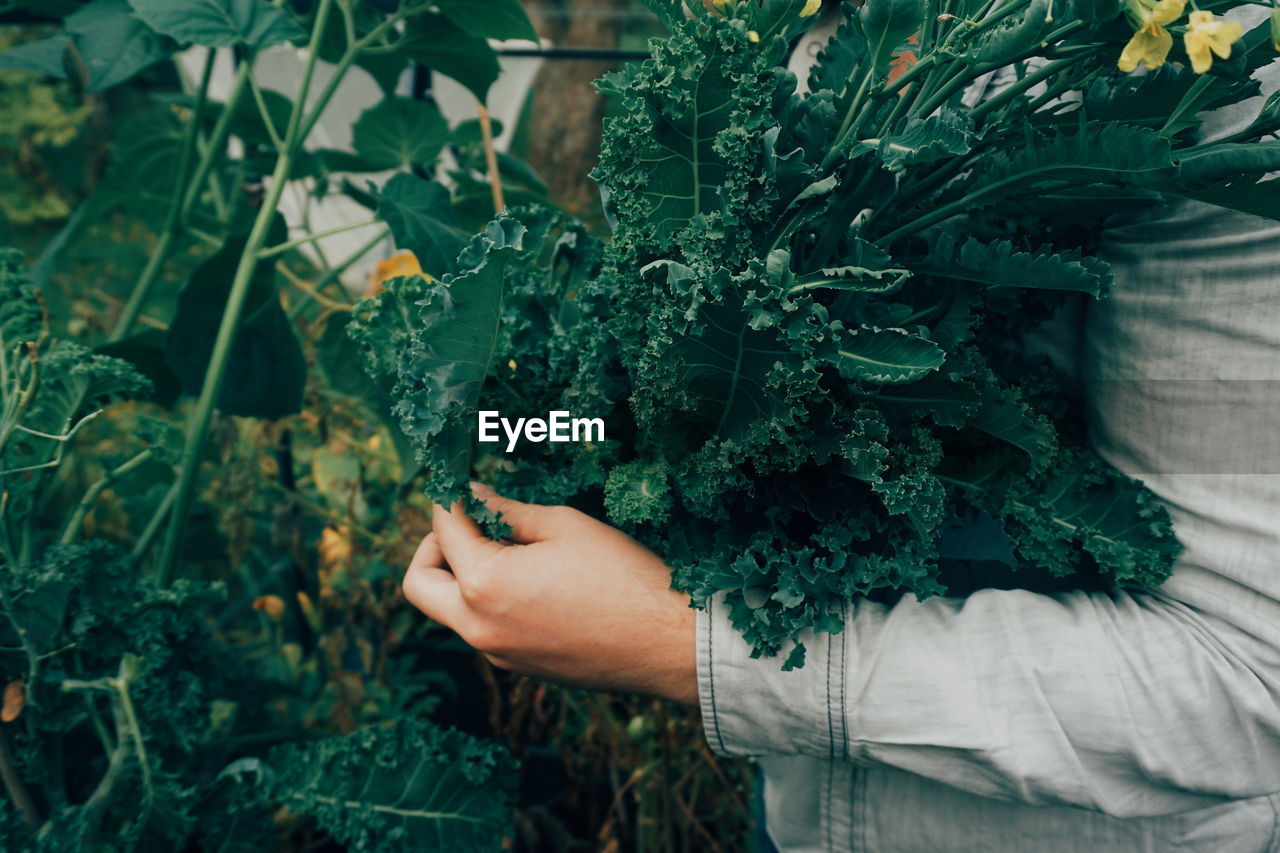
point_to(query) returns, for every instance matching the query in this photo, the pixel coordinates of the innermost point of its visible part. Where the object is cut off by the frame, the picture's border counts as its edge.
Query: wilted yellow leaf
(272, 605)
(401, 263)
(15, 699)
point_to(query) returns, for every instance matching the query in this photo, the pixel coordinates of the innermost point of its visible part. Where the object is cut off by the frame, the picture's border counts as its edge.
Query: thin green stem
(267, 121)
(154, 524)
(92, 493)
(218, 138)
(319, 235)
(333, 275)
(1024, 85)
(349, 56)
(202, 415)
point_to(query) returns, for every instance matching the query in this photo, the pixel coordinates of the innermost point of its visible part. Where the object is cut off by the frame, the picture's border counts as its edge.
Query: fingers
(432, 589)
(462, 542)
(529, 522)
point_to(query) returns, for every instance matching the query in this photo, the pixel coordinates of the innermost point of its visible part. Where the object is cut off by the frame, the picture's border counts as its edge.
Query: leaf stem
(319, 235)
(264, 112)
(91, 494)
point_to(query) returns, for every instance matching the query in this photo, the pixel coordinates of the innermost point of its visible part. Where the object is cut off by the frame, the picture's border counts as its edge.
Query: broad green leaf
(1099, 153)
(1015, 34)
(220, 23)
(455, 328)
(1006, 416)
(492, 19)
(266, 370)
(439, 44)
(729, 372)
(43, 57)
(399, 132)
(888, 23)
(1081, 506)
(946, 399)
(113, 43)
(143, 168)
(1171, 99)
(1229, 161)
(999, 264)
(945, 134)
(855, 278)
(885, 356)
(678, 171)
(421, 217)
(1259, 199)
(407, 786)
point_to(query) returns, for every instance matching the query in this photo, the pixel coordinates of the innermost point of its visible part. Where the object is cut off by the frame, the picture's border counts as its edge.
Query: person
(1008, 720)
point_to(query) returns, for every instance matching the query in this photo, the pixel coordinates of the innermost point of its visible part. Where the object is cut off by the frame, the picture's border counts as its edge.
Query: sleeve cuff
(750, 707)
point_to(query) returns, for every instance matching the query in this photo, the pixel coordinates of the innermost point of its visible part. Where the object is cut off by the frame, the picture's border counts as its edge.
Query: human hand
(573, 600)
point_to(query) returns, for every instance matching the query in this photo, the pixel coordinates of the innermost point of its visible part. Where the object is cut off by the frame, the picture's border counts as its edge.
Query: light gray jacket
(1012, 721)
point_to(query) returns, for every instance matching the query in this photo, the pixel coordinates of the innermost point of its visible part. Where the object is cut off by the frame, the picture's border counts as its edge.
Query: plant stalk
(202, 415)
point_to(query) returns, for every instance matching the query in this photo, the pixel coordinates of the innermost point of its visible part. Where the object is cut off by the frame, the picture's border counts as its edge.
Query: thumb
(529, 522)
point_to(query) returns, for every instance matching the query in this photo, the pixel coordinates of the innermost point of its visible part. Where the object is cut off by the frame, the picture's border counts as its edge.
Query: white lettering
(512, 434)
(588, 425)
(559, 426)
(488, 423)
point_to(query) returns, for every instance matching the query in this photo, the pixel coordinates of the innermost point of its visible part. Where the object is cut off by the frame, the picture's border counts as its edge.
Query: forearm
(1130, 705)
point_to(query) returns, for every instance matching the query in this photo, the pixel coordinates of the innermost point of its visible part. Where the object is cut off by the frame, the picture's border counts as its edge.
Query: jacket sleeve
(1129, 704)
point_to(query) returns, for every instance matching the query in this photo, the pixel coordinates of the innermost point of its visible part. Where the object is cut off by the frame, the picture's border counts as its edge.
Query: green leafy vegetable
(809, 382)
(406, 786)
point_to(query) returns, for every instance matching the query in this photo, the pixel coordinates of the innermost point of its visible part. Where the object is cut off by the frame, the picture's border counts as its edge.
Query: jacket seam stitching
(831, 754)
(844, 690)
(711, 676)
(1275, 823)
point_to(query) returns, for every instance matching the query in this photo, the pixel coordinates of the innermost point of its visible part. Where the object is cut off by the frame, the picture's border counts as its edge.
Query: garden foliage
(164, 697)
(802, 335)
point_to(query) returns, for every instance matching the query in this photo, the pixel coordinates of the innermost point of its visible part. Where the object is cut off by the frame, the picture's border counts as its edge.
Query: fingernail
(482, 492)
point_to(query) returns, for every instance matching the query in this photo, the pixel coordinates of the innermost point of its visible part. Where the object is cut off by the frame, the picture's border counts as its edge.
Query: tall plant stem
(173, 216)
(202, 415)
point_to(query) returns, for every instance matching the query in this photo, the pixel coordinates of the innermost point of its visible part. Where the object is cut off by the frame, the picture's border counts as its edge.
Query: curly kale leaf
(445, 336)
(19, 305)
(1079, 510)
(401, 786)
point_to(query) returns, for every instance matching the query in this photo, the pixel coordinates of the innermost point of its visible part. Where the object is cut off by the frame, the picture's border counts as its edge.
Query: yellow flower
(811, 7)
(1205, 35)
(753, 36)
(722, 6)
(1151, 43)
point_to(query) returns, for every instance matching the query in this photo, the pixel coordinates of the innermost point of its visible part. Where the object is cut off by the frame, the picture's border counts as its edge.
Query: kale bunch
(803, 334)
